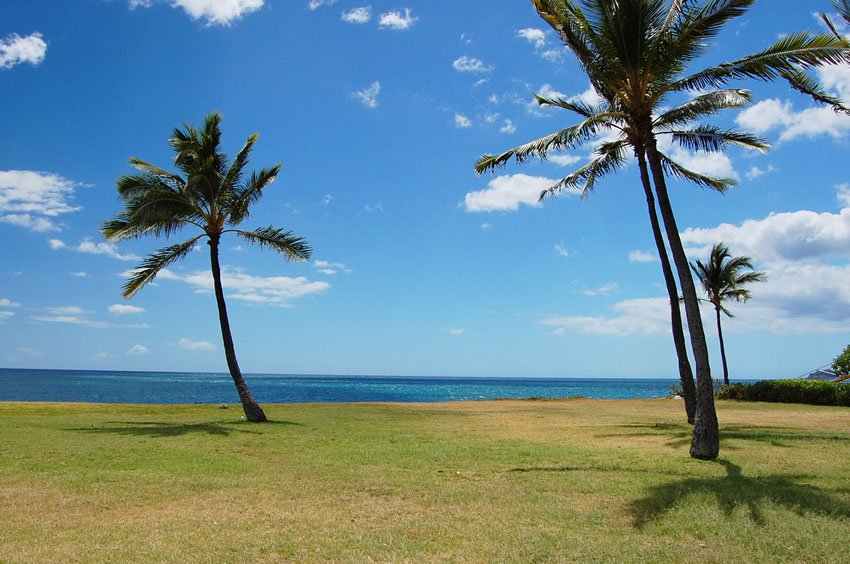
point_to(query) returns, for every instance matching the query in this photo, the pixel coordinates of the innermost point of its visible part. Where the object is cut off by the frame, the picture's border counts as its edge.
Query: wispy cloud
(455, 331)
(15, 50)
(471, 64)
(34, 199)
(642, 256)
(316, 4)
(75, 315)
(213, 12)
(270, 290)
(124, 309)
(88, 246)
(359, 15)
(604, 290)
(190, 345)
(138, 350)
(508, 127)
(330, 268)
(462, 122)
(397, 20)
(562, 250)
(368, 96)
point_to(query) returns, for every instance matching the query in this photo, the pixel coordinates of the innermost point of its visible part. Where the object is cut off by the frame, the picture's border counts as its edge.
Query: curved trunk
(686, 376)
(253, 411)
(705, 443)
(722, 349)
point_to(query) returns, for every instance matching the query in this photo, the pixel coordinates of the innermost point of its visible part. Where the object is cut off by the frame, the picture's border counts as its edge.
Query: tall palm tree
(636, 53)
(723, 279)
(214, 196)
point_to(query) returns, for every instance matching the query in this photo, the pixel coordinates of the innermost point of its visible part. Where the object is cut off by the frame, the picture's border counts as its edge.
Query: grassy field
(575, 480)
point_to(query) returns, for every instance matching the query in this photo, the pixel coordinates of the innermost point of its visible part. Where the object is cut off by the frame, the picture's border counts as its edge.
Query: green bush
(812, 392)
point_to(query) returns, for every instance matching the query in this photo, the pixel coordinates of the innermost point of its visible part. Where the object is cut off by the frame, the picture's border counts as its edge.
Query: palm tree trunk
(253, 411)
(686, 376)
(705, 443)
(722, 349)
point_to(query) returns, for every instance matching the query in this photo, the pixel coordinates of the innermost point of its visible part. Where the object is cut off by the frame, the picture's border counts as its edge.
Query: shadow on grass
(736, 490)
(161, 429)
(680, 434)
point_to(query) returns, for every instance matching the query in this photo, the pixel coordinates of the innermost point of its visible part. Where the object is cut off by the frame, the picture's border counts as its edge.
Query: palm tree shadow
(159, 429)
(736, 490)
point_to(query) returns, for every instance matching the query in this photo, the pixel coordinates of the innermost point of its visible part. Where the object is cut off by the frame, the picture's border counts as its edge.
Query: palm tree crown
(213, 195)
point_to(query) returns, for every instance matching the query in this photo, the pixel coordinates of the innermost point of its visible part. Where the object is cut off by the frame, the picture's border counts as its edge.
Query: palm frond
(805, 84)
(154, 263)
(539, 148)
(244, 197)
(707, 138)
(609, 157)
(704, 105)
(234, 173)
(291, 247)
(677, 170)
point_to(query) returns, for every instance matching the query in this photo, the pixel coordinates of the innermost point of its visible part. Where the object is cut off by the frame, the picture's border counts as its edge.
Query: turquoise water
(184, 387)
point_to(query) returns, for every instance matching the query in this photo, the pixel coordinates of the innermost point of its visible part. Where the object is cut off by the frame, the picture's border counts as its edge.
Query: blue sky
(378, 112)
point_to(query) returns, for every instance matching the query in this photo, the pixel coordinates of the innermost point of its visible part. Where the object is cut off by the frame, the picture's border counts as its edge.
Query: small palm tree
(723, 279)
(214, 196)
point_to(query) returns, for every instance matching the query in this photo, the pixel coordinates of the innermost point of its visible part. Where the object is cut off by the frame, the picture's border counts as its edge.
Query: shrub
(812, 392)
(841, 364)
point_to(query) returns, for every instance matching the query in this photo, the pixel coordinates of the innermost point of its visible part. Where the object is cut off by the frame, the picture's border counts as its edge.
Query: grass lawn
(586, 480)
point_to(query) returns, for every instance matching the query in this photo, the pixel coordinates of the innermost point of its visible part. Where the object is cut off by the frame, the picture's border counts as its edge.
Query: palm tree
(214, 196)
(723, 279)
(635, 53)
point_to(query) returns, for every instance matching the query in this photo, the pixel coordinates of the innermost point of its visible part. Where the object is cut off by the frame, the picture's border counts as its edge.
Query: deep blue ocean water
(183, 387)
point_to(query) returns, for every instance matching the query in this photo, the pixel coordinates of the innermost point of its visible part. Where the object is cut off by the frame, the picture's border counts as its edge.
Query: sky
(378, 111)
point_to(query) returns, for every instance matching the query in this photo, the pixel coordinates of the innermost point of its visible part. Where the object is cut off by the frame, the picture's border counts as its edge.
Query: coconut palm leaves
(212, 195)
(636, 54)
(724, 278)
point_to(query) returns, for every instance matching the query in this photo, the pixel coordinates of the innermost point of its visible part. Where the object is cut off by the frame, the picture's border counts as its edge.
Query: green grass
(484, 481)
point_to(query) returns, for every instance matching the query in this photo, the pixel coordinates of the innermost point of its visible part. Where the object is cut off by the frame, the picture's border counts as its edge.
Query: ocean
(186, 388)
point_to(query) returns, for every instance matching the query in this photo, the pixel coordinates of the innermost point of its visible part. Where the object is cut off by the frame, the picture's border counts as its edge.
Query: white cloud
(812, 122)
(471, 64)
(8, 303)
(30, 199)
(359, 15)
(492, 118)
(455, 331)
(271, 290)
(330, 268)
(480, 82)
(757, 172)
(189, 345)
(56, 244)
(368, 96)
(374, 208)
(644, 316)
(715, 164)
(552, 55)
(15, 50)
(805, 255)
(66, 310)
(604, 290)
(536, 37)
(396, 20)
(80, 274)
(316, 4)
(462, 121)
(486, 226)
(327, 199)
(562, 250)
(642, 256)
(138, 350)
(123, 309)
(6, 316)
(506, 193)
(214, 12)
(75, 315)
(109, 249)
(508, 127)
(564, 160)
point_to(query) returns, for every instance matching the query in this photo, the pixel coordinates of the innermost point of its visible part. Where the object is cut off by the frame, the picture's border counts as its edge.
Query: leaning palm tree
(723, 279)
(214, 196)
(636, 53)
